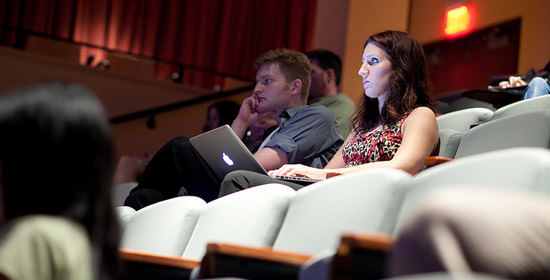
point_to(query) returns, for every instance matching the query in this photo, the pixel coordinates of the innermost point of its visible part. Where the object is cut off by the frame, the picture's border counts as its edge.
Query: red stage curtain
(222, 36)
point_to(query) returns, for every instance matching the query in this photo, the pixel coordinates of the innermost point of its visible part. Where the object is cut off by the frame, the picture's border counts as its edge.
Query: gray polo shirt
(308, 135)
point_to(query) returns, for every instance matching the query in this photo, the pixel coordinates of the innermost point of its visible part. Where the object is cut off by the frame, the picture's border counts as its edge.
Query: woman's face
(376, 72)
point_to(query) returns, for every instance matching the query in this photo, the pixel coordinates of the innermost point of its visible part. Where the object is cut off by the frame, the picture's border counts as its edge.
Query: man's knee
(234, 182)
(140, 198)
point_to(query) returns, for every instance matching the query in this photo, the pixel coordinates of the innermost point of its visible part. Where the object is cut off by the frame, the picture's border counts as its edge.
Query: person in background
(326, 72)
(538, 86)
(395, 127)
(304, 134)
(220, 113)
(536, 81)
(56, 167)
(130, 168)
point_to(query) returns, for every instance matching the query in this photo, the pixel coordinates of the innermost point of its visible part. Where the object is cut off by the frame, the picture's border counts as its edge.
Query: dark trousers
(241, 179)
(176, 169)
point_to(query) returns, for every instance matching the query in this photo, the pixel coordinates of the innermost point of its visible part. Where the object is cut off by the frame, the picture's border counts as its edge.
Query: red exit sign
(458, 20)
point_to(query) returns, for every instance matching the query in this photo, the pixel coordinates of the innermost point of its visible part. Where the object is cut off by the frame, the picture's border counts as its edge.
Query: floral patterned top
(379, 144)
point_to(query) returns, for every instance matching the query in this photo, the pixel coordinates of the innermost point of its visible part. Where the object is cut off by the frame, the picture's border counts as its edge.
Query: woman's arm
(336, 162)
(420, 135)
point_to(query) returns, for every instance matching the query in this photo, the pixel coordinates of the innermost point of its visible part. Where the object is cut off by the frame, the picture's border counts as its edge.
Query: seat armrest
(376, 242)
(361, 256)
(229, 260)
(435, 160)
(135, 256)
(139, 265)
(333, 174)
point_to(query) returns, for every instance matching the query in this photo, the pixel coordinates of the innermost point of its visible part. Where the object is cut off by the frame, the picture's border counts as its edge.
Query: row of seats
(286, 228)
(503, 128)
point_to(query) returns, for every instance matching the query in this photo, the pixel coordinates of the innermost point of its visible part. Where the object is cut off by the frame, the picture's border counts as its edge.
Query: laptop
(224, 152)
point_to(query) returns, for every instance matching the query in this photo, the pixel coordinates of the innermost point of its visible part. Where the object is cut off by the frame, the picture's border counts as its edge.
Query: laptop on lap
(222, 149)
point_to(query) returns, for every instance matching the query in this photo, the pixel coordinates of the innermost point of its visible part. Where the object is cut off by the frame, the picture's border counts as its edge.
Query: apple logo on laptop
(227, 159)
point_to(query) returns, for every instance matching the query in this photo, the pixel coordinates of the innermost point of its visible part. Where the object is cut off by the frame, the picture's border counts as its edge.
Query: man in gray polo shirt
(305, 134)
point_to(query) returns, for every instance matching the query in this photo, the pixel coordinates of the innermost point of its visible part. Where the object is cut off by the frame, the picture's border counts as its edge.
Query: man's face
(272, 90)
(318, 80)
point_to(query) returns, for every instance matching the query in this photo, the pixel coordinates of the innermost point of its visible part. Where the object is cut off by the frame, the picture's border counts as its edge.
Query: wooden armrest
(435, 160)
(333, 174)
(229, 260)
(361, 256)
(135, 256)
(378, 242)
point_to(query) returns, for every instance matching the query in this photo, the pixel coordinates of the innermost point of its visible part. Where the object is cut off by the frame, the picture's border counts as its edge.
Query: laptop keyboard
(296, 179)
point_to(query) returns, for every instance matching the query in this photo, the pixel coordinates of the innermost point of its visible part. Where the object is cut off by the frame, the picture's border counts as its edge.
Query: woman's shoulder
(421, 112)
(46, 225)
(49, 244)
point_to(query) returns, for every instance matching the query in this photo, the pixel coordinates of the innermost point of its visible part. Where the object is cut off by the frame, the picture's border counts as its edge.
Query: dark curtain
(205, 36)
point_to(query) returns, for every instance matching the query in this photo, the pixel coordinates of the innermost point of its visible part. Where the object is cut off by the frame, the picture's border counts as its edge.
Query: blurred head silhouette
(56, 158)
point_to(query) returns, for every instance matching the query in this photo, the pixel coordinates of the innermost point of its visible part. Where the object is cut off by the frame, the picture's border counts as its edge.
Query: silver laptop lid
(222, 149)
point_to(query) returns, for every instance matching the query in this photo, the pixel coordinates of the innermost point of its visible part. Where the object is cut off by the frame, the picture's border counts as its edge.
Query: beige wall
(120, 94)
(331, 22)
(534, 51)
(135, 138)
(365, 18)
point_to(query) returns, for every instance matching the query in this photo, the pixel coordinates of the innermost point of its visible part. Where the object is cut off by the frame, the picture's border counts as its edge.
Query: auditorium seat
(361, 202)
(163, 228)
(124, 213)
(462, 120)
(454, 124)
(250, 217)
(540, 103)
(531, 129)
(121, 191)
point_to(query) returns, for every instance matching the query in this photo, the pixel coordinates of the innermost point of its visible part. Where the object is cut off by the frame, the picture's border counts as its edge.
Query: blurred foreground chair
(467, 228)
(518, 169)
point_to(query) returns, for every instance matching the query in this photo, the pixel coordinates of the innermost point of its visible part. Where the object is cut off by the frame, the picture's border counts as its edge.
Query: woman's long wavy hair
(408, 83)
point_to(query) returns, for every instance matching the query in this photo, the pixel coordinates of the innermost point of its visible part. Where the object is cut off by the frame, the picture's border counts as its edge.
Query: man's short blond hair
(294, 65)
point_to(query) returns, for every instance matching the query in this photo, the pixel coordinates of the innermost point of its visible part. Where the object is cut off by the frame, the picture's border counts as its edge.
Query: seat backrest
(449, 140)
(462, 103)
(121, 191)
(517, 169)
(163, 228)
(320, 213)
(462, 120)
(530, 129)
(523, 106)
(250, 217)
(124, 214)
